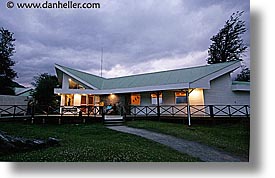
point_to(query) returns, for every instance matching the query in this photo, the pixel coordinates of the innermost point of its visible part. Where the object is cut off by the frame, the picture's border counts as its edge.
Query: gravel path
(205, 153)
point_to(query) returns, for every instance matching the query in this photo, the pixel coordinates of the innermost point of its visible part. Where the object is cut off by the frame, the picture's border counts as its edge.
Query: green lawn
(89, 143)
(233, 138)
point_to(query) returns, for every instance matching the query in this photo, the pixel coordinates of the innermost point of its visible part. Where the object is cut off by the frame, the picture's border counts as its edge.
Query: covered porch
(78, 100)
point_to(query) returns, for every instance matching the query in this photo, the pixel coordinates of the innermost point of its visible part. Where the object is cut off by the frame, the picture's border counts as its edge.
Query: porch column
(188, 108)
(158, 107)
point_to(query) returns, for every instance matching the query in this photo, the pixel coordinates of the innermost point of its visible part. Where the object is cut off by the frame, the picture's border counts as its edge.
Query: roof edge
(73, 76)
(236, 64)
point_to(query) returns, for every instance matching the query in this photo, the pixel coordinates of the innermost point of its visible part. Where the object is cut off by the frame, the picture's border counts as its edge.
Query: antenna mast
(101, 63)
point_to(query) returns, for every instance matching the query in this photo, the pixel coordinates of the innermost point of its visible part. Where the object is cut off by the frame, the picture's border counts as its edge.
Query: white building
(202, 85)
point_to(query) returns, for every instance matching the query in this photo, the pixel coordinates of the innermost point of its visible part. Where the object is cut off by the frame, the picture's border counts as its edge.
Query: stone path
(205, 153)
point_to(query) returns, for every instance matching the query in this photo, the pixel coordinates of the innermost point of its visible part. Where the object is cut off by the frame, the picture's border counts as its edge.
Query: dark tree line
(44, 90)
(227, 45)
(244, 75)
(44, 83)
(7, 74)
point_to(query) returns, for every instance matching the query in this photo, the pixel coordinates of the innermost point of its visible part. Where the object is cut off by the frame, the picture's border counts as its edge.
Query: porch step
(113, 120)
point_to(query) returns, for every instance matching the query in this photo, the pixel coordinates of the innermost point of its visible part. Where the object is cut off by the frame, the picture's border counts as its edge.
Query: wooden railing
(13, 110)
(195, 110)
(24, 110)
(67, 110)
(147, 111)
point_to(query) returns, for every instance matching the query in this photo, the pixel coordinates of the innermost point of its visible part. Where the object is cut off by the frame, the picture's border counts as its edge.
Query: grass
(232, 138)
(89, 143)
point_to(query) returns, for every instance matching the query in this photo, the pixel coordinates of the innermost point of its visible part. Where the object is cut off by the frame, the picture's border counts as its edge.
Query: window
(154, 98)
(97, 100)
(135, 99)
(181, 97)
(83, 99)
(90, 99)
(69, 100)
(74, 85)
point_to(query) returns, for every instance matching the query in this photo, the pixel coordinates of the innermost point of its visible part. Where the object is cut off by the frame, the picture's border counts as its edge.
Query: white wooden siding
(65, 82)
(196, 97)
(145, 99)
(220, 93)
(168, 97)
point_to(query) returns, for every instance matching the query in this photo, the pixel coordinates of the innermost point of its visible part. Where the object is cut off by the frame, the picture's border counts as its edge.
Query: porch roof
(240, 86)
(172, 77)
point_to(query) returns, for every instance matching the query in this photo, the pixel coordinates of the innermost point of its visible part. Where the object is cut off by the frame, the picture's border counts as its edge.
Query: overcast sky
(137, 36)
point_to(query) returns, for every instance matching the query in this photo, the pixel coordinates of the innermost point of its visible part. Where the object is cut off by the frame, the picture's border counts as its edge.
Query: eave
(75, 77)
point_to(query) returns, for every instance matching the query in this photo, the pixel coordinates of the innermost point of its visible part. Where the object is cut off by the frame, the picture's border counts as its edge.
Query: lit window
(74, 85)
(69, 100)
(135, 99)
(83, 99)
(90, 99)
(154, 98)
(181, 97)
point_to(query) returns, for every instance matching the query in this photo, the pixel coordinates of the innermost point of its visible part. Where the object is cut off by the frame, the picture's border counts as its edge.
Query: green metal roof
(87, 77)
(23, 91)
(240, 83)
(185, 75)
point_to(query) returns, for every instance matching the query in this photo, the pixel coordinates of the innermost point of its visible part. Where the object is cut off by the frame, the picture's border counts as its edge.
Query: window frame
(138, 96)
(160, 98)
(184, 95)
(83, 100)
(74, 85)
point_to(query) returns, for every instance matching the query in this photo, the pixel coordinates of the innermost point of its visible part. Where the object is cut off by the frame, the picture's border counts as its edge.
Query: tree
(244, 75)
(44, 90)
(7, 74)
(228, 45)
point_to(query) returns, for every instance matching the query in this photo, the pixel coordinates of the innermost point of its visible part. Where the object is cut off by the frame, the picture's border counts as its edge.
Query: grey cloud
(130, 32)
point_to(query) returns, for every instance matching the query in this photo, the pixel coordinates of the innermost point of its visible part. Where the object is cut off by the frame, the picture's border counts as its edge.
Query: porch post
(188, 108)
(158, 108)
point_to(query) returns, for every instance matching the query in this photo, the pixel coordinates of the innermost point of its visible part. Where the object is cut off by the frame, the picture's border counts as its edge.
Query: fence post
(246, 111)
(173, 111)
(48, 110)
(32, 112)
(96, 109)
(89, 109)
(102, 113)
(14, 109)
(211, 111)
(212, 115)
(158, 106)
(158, 112)
(229, 112)
(124, 113)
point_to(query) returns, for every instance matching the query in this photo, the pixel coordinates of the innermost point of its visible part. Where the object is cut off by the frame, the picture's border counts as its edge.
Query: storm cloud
(136, 36)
